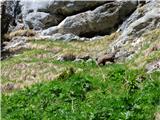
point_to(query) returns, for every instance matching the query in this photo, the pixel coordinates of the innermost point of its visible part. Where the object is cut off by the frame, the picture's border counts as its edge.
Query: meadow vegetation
(47, 89)
(110, 92)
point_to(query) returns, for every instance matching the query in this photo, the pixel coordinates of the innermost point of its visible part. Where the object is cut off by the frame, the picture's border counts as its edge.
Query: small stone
(66, 57)
(83, 57)
(78, 60)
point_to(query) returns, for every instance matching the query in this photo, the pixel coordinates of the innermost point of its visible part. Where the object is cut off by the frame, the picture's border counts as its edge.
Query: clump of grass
(66, 73)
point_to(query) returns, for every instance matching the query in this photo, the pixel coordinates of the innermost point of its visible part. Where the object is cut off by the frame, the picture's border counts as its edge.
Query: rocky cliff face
(143, 20)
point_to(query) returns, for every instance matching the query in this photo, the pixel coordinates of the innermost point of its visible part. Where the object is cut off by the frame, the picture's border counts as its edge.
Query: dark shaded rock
(9, 16)
(5, 20)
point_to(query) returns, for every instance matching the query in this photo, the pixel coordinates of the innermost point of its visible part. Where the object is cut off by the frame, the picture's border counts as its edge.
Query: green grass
(117, 93)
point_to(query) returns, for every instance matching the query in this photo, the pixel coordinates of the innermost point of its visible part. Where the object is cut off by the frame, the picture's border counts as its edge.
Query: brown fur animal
(106, 58)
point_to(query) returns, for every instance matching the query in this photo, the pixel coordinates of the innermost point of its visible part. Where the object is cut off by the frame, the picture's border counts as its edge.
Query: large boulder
(102, 20)
(47, 13)
(67, 8)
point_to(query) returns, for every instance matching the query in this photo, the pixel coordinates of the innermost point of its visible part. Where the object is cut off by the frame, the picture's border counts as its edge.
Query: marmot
(106, 57)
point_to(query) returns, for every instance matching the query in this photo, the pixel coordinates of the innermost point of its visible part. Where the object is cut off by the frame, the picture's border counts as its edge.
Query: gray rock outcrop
(5, 19)
(44, 14)
(41, 20)
(102, 20)
(9, 12)
(143, 20)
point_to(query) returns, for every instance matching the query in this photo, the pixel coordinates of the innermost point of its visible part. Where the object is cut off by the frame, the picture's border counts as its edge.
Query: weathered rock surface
(64, 8)
(67, 8)
(5, 19)
(12, 11)
(102, 20)
(13, 47)
(44, 14)
(16, 42)
(143, 20)
(65, 37)
(41, 20)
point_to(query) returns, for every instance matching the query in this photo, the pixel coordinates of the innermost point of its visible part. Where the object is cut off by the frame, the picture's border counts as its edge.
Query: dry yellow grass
(25, 74)
(92, 48)
(27, 33)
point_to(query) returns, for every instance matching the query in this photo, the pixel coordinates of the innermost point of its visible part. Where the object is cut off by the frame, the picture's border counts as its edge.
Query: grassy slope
(117, 93)
(38, 62)
(109, 92)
